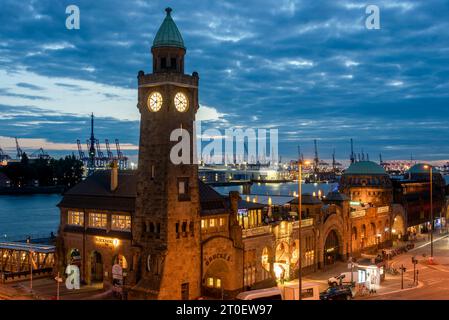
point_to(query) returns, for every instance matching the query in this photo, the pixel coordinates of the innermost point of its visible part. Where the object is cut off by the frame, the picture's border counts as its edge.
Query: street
(433, 280)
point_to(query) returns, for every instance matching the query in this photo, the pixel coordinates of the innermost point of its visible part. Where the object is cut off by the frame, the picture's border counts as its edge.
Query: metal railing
(25, 237)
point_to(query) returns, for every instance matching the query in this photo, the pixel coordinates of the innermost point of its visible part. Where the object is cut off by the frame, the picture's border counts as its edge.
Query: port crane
(352, 156)
(122, 160)
(4, 156)
(19, 150)
(95, 158)
(108, 150)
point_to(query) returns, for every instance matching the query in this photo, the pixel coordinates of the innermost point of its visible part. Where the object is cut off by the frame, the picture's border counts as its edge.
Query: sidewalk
(14, 292)
(391, 285)
(45, 289)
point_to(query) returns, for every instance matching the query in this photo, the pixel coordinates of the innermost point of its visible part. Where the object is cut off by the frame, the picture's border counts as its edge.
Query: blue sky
(309, 68)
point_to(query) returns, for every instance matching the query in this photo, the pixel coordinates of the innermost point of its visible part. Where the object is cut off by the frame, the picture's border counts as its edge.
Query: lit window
(76, 218)
(203, 224)
(98, 220)
(121, 222)
(210, 282)
(211, 222)
(218, 283)
(183, 189)
(221, 222)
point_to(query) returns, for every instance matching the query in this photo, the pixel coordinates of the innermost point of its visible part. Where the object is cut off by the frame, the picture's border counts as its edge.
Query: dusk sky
(311, 69)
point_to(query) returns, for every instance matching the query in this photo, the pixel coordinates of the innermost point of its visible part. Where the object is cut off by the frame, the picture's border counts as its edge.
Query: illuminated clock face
(155, 102)
(181, 102)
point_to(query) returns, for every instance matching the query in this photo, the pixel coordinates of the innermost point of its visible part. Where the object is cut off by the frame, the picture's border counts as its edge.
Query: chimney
(234, 198)
(114, 175)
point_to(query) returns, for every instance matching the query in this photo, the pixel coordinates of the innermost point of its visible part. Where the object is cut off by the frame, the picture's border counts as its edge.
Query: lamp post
(431, 209)
(403, 269)
(300, 225)
(31, 263)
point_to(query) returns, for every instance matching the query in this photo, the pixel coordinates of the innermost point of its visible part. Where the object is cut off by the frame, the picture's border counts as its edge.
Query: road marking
(426, 244)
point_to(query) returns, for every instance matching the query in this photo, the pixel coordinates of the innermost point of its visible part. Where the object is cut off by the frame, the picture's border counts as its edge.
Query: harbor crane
(4, 156)
(19, 150)
(316, 160)
(95, 158)
(352, 156)
(122, 160)
(108, 150)
(80, 150)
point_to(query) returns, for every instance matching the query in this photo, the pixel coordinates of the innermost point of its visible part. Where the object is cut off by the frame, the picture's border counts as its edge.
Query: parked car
(337, 293)
(342, 278)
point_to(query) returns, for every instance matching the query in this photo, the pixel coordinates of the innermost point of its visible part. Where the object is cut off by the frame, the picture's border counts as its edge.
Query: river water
(34, 215)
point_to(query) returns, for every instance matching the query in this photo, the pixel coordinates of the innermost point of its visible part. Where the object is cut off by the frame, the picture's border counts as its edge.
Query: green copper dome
(365, 167)
(422, 168)
(168, 34)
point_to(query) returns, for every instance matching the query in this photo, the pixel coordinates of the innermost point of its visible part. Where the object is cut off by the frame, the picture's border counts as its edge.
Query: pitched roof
(99, 184)
(336, 196)
(168, 34)
(94, 193)
(307, 198)
(243, 204)
(211, 201)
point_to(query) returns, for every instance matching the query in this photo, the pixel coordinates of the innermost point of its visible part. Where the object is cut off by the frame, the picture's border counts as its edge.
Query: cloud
(206, 113)
(57, 94)
(309, 68)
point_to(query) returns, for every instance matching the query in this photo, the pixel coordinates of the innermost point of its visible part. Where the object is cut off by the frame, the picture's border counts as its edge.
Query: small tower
(92, 151)
(168, 47)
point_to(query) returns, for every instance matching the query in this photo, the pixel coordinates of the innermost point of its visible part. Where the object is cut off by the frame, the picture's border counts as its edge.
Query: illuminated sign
(107, 241)
(223, 256)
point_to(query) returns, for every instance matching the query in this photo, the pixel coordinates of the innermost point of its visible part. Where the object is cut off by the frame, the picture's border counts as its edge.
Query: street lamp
(300, 163)
(431, 208)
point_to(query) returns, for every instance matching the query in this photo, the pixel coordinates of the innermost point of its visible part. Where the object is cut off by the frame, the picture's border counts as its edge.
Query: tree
(65, 172)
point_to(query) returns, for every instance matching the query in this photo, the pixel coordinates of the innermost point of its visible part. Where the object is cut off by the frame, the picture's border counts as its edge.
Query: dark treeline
(65, 172)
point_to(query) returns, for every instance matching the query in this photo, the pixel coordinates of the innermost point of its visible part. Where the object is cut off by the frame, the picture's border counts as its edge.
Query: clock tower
(166, 226)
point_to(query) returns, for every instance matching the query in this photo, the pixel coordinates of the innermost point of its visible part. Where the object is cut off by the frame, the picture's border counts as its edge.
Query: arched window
(373, 228)
(354, 233)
